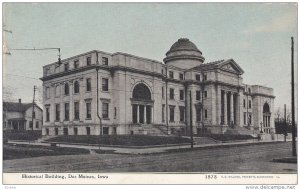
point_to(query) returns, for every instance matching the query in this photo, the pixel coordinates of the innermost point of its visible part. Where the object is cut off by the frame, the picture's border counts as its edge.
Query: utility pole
(284, 123)
(191, 122)
(293, 99)
(33, 101)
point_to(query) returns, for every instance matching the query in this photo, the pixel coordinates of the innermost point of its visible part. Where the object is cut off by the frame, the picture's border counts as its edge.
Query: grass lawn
(125, 140)
(27, 151)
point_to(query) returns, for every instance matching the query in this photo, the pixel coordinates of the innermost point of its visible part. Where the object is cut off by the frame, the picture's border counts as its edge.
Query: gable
(231, 66)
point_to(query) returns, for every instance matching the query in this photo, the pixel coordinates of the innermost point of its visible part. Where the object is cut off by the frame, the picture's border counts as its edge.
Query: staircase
(241, 131)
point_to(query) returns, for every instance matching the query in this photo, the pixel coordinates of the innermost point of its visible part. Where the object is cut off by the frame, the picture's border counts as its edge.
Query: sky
(256, 35)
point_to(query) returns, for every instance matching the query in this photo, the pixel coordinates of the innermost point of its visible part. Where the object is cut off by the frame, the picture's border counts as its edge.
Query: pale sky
(256, 35)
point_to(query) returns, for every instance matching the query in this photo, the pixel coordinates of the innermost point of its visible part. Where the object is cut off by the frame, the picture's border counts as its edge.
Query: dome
(184, 49)
(183, 44)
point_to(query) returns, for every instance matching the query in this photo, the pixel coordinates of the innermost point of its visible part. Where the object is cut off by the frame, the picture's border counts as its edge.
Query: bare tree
(278, 114)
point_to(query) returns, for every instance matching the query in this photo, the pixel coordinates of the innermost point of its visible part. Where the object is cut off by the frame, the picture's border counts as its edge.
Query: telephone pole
(33, 100)
(285, 134)
(191, 122)
(293, 99)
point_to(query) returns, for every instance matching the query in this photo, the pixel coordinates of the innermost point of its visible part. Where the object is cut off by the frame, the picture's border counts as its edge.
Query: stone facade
(143, 96)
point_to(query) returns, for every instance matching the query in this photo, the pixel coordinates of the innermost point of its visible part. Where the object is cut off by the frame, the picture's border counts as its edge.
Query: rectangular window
(105, 110)
(163, 113)
(245, 118)
(198, 113)
(47, 114)
(76, 110)
(181, 76)
(88, 110)
(250, 104)
(104, 84)
(244, 103)
(66, 66)
(67, 111)
(56, 131)
(47, 92)
(171, 74)
(88, 85)
(181, 94)
(37, 124)
(171, 94)
(57, 112)
(104, 60)
(172, 108)
(181, 111)
(33, 115)
(197, 77)
(204, 77)
(57, 90)
(76, 64)
(205, 114)
(162, 92)
(88, 130)
(75, 131)
(205, 94)
(88, 61)
(250, 118)
(198, 94)
(115, 115)
(30, 124)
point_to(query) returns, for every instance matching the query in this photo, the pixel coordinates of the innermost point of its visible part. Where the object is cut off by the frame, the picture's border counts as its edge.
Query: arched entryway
(266, 118)
(141, 104)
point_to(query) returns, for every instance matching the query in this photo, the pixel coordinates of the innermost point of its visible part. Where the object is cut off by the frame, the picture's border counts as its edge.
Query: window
(181, 111)
(76, 87)
(88, 85)
(181, 92)
(197, 77)
(245, 118)
(105, 110)
(172, 108)
(88, 61)
(104, 60)
(67, 111)
(30, 124)
(198, 113)
(66, 66)
(76, 110)
(204, 77)
(88, 130)
(198, 94)
(47, 114)
(47, 131)
(171, 74)
(244, 103)
(250, 118)
(67, 89)
(57, 112)
(88, 110)
(162, 92)
(205, 94)
(163, 113)
(181, 76)
(37, 124)
(171, 93)
(162, 71)
(115, 115)
(75, 131)
(104, 84)
(57, 90)
(33, 115)
(250, 104)
(76, 64)
(249, 90)
(56, 131)
(205, 113)
(47, 92)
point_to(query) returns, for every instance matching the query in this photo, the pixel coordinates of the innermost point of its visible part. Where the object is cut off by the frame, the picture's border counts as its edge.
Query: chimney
(20, 100)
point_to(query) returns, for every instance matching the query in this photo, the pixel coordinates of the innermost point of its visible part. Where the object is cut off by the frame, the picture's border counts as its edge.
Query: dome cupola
(184, 50)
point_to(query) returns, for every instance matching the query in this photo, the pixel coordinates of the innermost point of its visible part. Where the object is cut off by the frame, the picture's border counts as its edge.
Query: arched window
(76, 87)
(266, 118)
(266, 108)
(67, 90)
(141, 92)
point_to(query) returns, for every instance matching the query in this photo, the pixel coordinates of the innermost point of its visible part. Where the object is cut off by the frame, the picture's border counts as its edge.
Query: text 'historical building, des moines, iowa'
(143, 96)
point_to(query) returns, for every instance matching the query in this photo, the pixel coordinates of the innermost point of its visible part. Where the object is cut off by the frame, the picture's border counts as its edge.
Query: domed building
(102, 93)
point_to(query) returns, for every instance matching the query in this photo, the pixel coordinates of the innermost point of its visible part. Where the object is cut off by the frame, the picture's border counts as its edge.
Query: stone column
(145, 114)
(231, 108)
(225, 108)
(137, 114)
(219, 105)
(152, 118)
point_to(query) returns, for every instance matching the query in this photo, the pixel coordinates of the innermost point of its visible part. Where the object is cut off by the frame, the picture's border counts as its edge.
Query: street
(251, 158)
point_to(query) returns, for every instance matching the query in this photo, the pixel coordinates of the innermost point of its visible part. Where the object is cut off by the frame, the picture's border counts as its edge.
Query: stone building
(137, 95)
(17, 116)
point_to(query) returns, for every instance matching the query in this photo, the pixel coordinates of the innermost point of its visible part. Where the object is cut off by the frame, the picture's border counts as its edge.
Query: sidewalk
(149, 150)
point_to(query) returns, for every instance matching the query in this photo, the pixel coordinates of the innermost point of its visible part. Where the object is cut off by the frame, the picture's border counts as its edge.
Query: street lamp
(261, 128)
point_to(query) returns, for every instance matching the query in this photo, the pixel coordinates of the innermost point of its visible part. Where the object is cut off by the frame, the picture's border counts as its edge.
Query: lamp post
(261, 128)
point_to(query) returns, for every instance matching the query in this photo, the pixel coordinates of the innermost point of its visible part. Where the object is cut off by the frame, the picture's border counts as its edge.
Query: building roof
(183, 44)
(219, 64)
(17, 107)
